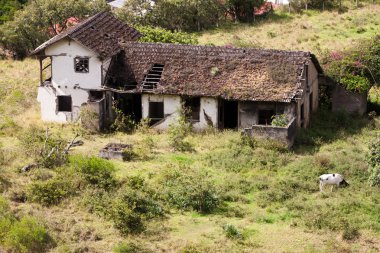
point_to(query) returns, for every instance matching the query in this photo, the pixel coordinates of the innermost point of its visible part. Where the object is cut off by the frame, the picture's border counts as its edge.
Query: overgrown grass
(311, 31)
(229, 194)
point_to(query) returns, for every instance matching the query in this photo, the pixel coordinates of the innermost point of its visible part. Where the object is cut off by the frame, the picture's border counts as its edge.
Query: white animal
(331, 179)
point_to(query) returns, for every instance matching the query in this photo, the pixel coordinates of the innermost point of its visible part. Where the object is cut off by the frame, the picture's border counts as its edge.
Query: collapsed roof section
(230, 73)
(100, 33)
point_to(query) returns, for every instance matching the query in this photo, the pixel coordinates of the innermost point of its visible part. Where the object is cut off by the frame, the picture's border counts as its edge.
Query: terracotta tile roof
(100, 33)
(231, 73)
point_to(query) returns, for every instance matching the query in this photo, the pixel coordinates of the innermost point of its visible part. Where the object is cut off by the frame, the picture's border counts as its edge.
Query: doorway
(130, 104)
(228, 114)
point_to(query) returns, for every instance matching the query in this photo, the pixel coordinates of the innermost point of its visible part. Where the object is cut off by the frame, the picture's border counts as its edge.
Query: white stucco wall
(173, 102)
(47, 96)
(63, 72)
(65, 81)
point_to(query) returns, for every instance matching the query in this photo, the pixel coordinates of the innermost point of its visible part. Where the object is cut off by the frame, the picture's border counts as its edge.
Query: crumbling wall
(208, 114)
(350, 102)
(249, 111)
(285, 135)
(47, 97)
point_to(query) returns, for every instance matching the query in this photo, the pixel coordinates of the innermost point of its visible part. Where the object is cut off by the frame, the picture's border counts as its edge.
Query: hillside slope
(312, 31)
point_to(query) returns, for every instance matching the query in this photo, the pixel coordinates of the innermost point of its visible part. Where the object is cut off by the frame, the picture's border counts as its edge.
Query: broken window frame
(64, 103)
(86, 62)
(192, 108)
(156, 111)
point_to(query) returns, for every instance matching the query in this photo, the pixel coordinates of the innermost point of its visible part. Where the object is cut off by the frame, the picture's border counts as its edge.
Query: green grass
(311, 31)
(268, 197)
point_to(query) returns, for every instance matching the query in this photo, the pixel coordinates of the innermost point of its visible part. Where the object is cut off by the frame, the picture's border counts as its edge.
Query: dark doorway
(156, 112)
(229, 115)
(130, 104)
(193, 106)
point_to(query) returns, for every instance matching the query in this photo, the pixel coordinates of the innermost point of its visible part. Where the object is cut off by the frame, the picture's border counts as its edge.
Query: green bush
(130, 208)
(130, 248)
(179, 130)
(157, 34)
(27, 235)
(47, 152)
(50, 192)
(95, 171)
(191, 189)
(280, 120)
(232, 232)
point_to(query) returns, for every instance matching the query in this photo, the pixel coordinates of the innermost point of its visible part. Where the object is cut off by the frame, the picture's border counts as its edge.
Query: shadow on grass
(327, 126)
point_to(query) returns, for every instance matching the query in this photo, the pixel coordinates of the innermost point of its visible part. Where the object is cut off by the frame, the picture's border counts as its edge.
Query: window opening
(265, 117)
(81, 64)
(64, 103)
(156, 111)
(95, 95)
(193, 106)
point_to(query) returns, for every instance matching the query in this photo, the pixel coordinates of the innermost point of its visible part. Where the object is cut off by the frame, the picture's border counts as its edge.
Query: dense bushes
(95, 171)
(50, 192)
(26, 235)
(156, 34)
(358, 68)
(187, 188)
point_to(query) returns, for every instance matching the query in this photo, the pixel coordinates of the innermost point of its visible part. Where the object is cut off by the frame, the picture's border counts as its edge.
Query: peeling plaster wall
(65, 81)
(210, 107)
(63, 72)
(249, 111)
(173, 102)
(47, 96)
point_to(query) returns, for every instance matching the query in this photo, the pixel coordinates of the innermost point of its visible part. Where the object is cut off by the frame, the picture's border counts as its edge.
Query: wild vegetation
(180, 191)
(225, 194)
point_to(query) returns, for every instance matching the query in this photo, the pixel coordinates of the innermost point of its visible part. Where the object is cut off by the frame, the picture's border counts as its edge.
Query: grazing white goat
(331, 179)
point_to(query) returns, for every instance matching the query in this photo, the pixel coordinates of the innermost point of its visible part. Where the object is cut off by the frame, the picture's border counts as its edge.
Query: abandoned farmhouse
(100, 61)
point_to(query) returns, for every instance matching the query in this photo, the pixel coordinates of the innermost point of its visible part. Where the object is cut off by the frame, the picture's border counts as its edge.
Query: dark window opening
(193, 108)
(64, 103)
(81, 64)
(95, 95)
(156, 111)
(265, 117)
(130, 104)
(230, 114)
(302, 115)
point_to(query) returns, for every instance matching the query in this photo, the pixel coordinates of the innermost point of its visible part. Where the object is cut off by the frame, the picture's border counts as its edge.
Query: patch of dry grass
(312, 31)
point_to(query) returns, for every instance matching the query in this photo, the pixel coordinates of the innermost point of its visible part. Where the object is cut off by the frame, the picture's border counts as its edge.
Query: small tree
(179, 130)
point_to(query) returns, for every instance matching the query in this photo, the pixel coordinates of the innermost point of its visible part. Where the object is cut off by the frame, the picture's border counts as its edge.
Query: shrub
(27, 235)
(95, 171)
(280, 120)
(232, 232)
(47, 152)
(157, 34)
(179, 130)
(191, 189)
(122, 123)
(50, 192)
(132, 207)
(127, 221)
(130, 248)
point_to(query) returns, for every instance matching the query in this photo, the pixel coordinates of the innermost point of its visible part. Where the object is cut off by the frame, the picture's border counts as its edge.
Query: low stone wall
(285, 135)
(350, 102)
